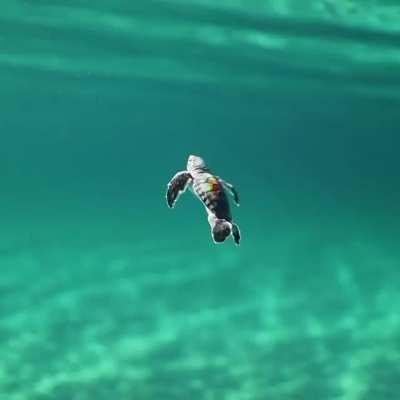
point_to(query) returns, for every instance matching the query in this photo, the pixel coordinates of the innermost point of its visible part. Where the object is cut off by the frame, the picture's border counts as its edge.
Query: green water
(105, 293)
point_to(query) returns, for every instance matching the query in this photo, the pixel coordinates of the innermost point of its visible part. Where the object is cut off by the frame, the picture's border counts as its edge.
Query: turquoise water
(108, 294)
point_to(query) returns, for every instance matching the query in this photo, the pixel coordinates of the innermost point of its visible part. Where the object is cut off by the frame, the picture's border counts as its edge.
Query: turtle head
(221, 230)
(195, 162)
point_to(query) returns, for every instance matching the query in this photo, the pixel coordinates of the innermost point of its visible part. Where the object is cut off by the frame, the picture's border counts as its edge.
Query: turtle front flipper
(176, 186)
(231, 189)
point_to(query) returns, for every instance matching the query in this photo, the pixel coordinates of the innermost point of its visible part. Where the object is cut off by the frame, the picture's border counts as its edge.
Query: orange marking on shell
(214, 184)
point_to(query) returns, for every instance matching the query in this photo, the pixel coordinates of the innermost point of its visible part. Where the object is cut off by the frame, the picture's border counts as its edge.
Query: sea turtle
(210, 189)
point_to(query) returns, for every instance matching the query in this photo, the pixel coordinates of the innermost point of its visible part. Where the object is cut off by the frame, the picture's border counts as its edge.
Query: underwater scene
(107, 293)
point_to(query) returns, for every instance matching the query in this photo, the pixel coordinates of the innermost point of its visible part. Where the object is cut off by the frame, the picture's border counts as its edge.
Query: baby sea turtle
(210, 189)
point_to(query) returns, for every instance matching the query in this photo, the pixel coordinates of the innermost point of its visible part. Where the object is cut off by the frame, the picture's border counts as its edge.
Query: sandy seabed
(112, 318)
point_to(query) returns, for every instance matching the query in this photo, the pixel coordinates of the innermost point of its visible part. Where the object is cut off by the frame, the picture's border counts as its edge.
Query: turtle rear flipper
(236, 234)
(220, 228)
(176, 186)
